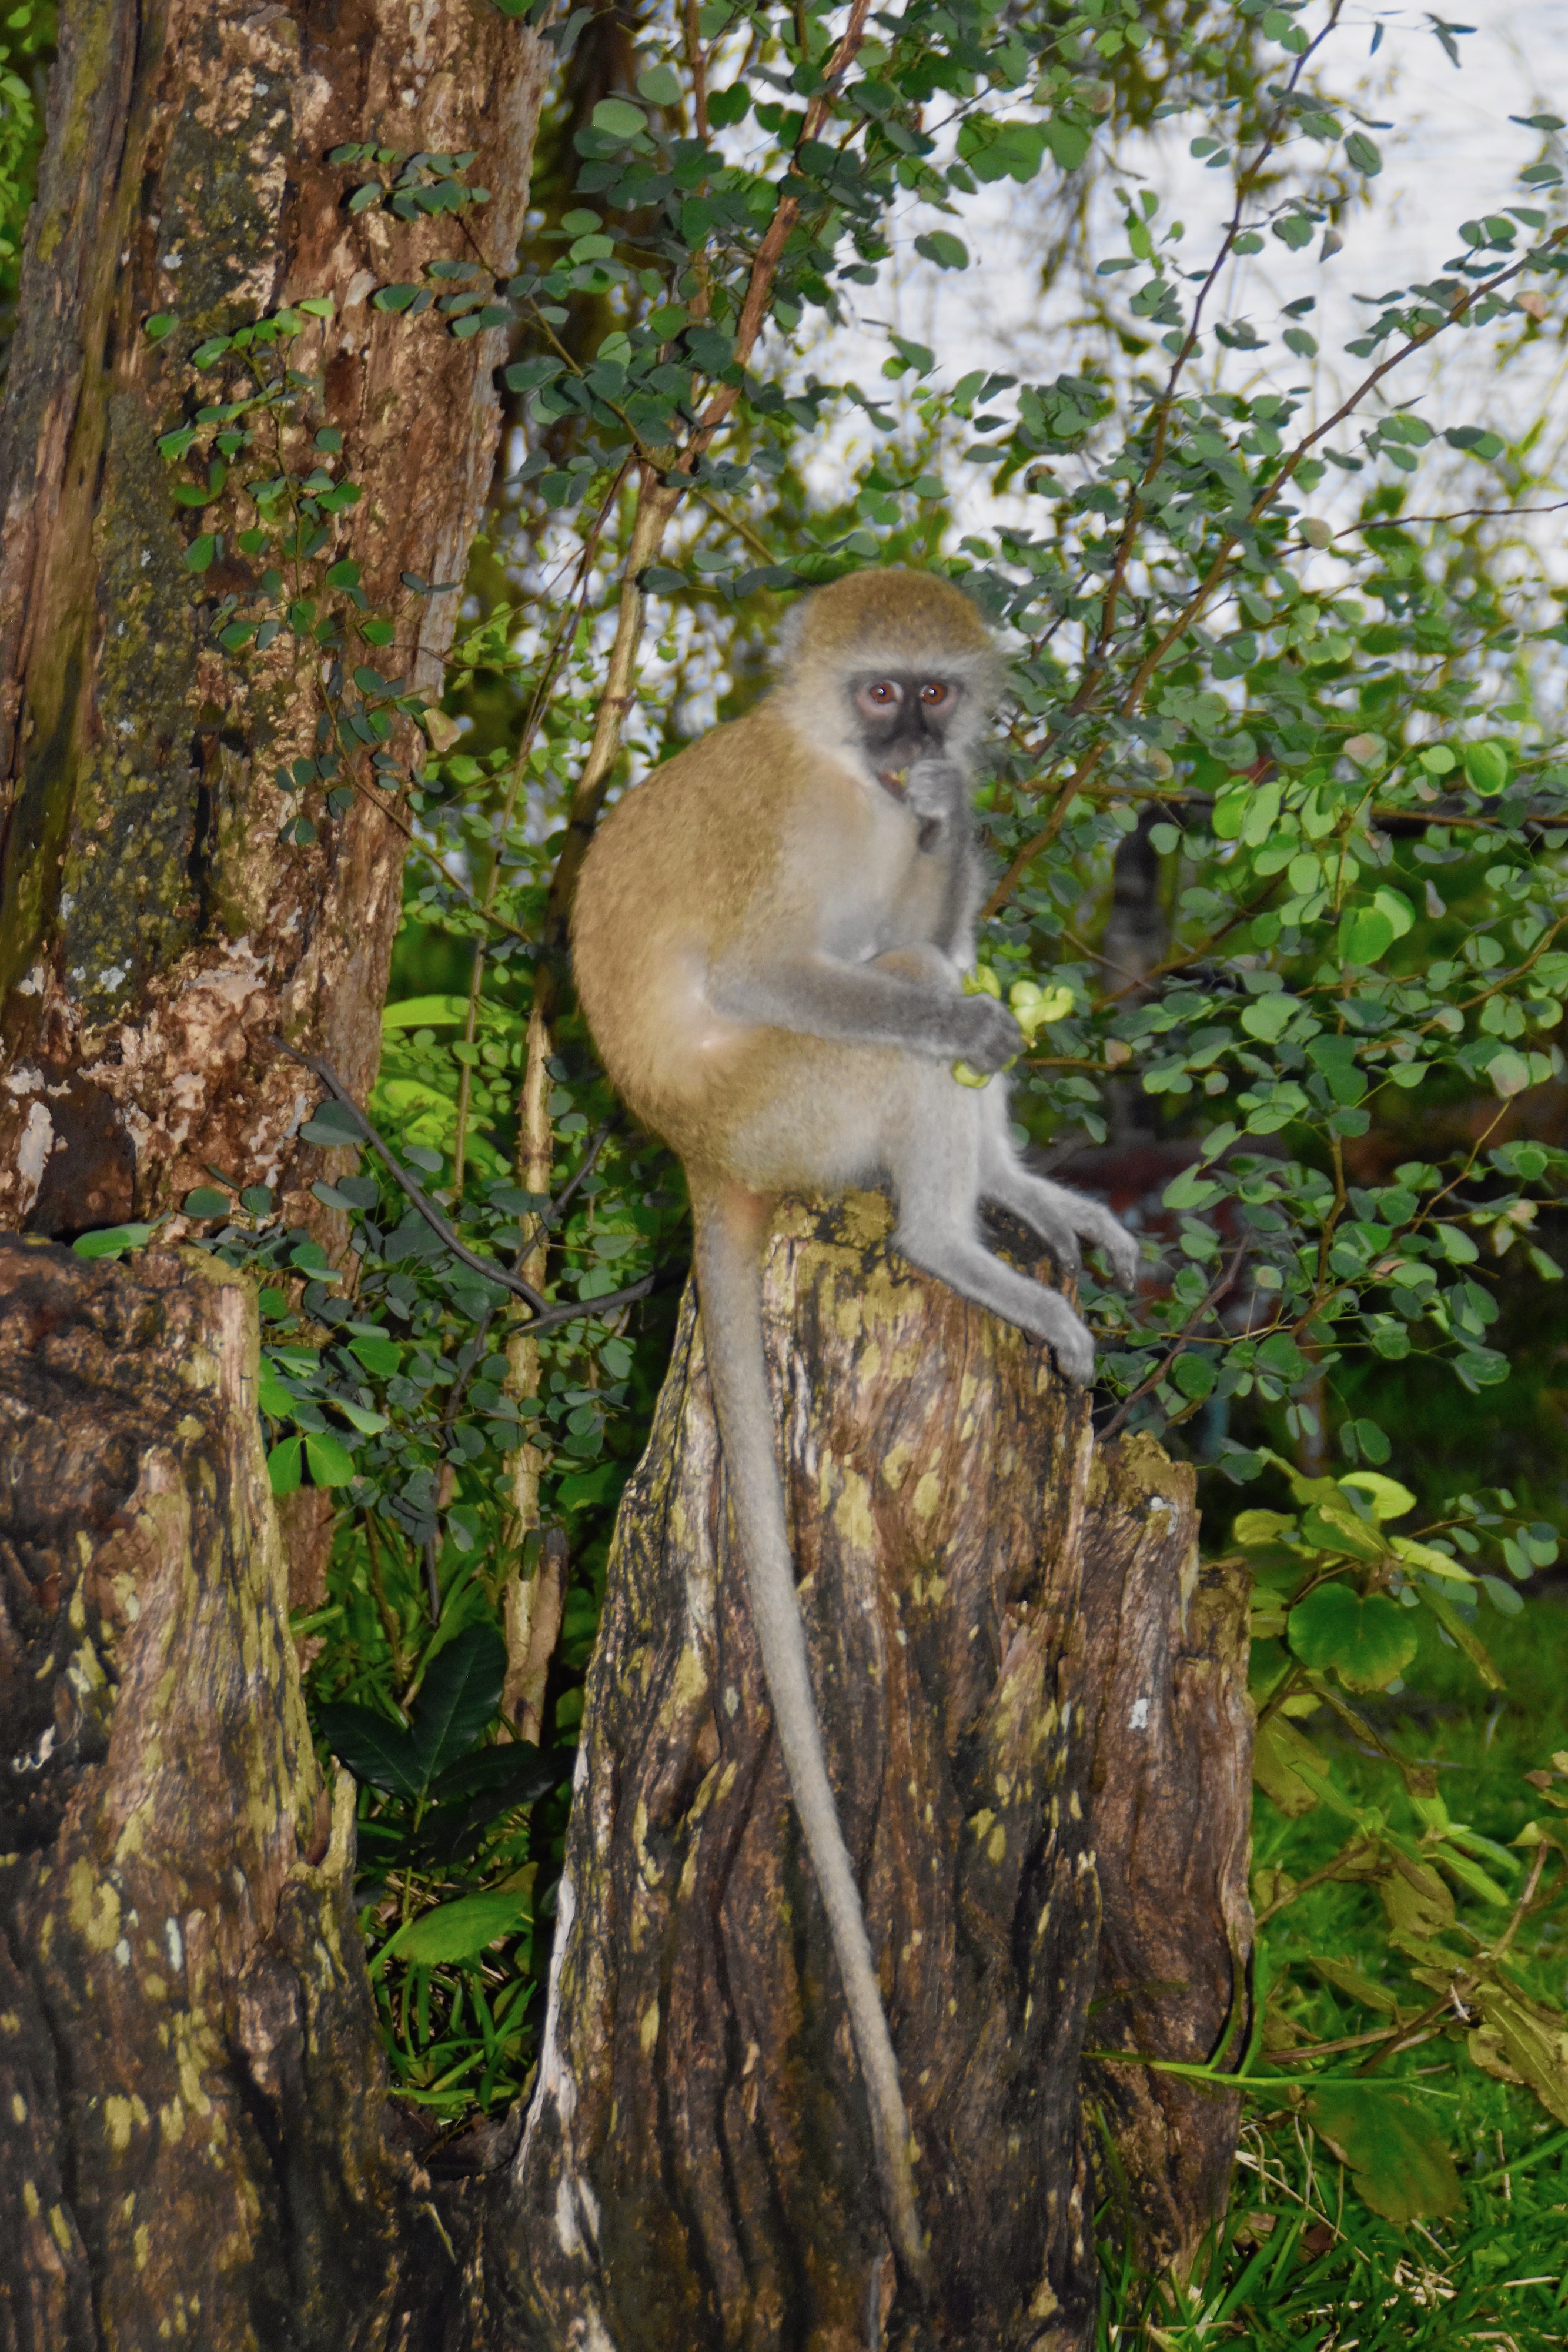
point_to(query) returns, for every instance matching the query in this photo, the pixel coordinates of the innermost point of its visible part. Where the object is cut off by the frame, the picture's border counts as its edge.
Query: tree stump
(192, 2089)
(1010, 1655)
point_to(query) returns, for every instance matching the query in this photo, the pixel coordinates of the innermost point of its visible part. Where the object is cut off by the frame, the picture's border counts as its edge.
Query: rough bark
(1169, 1791)
(697, 2168)
(153, 927)
(192, 2110)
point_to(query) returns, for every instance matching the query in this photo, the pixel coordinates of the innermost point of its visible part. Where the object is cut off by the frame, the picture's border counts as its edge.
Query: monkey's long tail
(729, 1237)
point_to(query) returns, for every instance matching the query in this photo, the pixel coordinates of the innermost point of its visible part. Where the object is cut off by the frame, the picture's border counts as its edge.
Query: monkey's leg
(1060, 1216)
(933, 1153)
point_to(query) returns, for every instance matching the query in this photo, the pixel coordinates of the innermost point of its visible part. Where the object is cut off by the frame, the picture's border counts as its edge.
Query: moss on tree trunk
(155, 929)
(194, 2141)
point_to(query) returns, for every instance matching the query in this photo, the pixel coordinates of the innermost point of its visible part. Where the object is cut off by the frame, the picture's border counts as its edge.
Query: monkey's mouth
(894, 781)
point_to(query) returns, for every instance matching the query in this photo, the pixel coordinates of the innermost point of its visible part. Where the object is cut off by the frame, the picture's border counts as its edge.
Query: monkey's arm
(863, 1005)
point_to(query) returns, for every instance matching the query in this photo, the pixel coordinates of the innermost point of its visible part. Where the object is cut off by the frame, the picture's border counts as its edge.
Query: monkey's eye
(882, 694)
(935, 695)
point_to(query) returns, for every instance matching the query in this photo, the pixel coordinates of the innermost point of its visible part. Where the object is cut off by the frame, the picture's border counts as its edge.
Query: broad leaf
(1401, 2164)
(1279, 1752)
(1367, 1643)
(462, 1691)
(374, 1747)
(1522, 2041)
(456, 1931)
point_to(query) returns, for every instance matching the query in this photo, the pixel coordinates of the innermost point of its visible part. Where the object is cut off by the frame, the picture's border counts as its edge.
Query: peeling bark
(193, 2106)
(697, 2167)
(153, 929)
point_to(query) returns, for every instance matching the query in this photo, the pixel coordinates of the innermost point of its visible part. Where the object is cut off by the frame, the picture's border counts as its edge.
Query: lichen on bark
(155, 929)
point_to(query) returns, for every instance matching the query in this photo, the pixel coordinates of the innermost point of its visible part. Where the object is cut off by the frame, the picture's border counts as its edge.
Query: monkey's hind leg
(934, 1147)
(1061, 1217)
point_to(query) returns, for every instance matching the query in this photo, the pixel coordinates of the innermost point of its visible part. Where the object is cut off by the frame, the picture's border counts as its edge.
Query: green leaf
(205, 1202)
(1522, 2041)
(1363, 153)
(1364, 935)
(1460, 1633)
(160, 324)
(1067, 142)
(517, 1774)
(1508, 1073)
(660, 85)
(457, 1931)
(375, 1749)
(1280, 1753)
(618, 118)
(331, 1125)
(1401, 2164)
(112, 1241)
(1486, 768)
(331, 1464)
(729, 106)
(275, 1399)
(1269, 1017)
(462, 1691)
(201, 552)
(1388, 1498)
(1367, 1643)
(381, 1358)
(1194, 1375)
(393, 297)
(283, 1465)
(946, 251)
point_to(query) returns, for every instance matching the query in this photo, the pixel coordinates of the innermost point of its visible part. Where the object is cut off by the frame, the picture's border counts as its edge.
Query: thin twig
(1460, 514)
(545, 1317)
(1205, 1306)
(417, 1198)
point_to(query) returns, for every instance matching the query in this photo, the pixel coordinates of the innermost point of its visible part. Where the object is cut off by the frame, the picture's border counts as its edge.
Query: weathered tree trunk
(193, 2109)
(1014, 1666)
(1169, 1794)
(155, 929)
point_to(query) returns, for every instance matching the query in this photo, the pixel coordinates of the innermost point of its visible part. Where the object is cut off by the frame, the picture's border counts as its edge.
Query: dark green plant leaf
(461, 1693)
(374, 1750)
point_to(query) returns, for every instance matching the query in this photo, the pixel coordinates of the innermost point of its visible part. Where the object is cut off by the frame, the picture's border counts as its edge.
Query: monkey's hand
(981, 1032)
(937, 787)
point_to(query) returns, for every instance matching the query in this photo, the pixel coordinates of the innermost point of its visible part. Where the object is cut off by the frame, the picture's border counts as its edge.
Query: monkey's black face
(904, 716)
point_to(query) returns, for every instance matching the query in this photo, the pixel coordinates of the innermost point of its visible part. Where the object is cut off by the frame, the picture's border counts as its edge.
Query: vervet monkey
(770, 937)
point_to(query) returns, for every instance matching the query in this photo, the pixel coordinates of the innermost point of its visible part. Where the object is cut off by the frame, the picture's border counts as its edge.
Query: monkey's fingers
(1102, 1231)
(1074, 1347)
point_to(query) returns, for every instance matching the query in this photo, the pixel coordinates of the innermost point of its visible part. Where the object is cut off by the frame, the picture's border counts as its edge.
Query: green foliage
(27, 48)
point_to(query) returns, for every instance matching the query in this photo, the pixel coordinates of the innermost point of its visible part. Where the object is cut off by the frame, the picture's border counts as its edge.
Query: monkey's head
(897, 669)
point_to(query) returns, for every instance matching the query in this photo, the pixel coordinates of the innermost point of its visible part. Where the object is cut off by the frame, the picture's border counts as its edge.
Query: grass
(1301, 2260)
